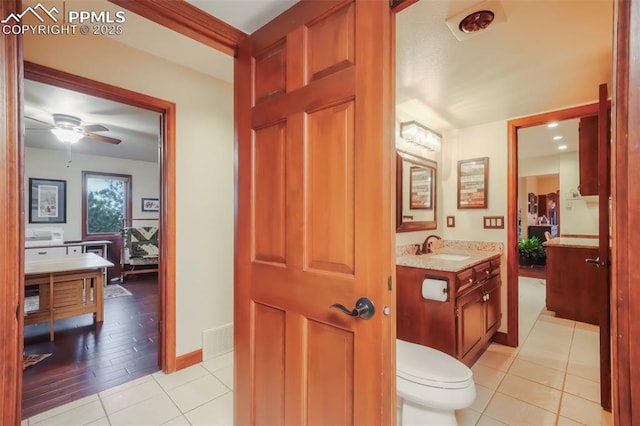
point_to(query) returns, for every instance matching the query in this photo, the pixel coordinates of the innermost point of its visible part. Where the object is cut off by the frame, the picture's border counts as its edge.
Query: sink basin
(444, 256)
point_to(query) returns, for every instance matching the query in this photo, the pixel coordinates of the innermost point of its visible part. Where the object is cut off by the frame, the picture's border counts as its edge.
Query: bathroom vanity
(463, 324)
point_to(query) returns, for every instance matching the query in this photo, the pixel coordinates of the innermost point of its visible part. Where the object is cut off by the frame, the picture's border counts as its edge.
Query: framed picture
(48, 200)
(420, 188)
(150, 204)
(473, 176)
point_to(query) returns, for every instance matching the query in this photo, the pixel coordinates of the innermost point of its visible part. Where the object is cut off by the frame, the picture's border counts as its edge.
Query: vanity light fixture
(417, 134)
(66, 135)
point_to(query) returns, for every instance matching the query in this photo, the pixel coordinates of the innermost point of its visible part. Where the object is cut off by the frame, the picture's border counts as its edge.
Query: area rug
(33, 359)
(115, 290)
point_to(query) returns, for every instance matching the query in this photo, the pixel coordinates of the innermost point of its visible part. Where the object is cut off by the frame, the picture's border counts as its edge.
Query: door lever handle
(596, 262)
(364, 308)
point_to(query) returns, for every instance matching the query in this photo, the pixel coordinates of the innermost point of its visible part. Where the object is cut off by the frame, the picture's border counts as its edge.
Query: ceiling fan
(70, 129)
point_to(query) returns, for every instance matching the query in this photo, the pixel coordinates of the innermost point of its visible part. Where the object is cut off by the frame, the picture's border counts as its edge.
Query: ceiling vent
(472, 21)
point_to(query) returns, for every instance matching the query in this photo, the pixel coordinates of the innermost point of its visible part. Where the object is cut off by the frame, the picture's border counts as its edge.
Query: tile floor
(552, 379)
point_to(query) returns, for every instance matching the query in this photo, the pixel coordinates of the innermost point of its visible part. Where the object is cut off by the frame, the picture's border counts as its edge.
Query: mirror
(415, 193)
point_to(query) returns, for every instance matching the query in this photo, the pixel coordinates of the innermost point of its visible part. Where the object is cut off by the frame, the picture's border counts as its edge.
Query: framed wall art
(48, 200)
(473, 176)
(150, 205)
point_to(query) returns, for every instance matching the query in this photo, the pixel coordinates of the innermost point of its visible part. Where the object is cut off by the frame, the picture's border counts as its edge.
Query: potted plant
(531, 251)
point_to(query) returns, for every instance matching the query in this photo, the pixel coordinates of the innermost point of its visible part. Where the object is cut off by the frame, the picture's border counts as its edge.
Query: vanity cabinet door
(470, 323)
(492, 315)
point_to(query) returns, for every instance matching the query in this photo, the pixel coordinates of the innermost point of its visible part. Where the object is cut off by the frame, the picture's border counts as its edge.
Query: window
(106, 203)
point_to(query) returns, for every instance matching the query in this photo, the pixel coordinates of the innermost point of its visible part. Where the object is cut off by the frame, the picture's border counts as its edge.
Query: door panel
(314, 217)
(329, 230)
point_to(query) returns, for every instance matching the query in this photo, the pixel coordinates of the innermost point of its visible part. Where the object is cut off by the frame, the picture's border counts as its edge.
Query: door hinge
(389, 283)
(457, 312)
(18, 311)
(160, 327)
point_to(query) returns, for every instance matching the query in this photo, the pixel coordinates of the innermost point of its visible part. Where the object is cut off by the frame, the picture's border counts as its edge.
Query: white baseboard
(217, 341)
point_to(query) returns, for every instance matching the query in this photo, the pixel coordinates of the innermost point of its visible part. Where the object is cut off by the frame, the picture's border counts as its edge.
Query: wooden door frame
(167, 223)
(12, 220)
(625, 155)
(511, 337)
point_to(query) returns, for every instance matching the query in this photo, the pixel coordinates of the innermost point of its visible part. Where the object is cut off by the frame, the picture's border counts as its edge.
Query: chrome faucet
(426, 246)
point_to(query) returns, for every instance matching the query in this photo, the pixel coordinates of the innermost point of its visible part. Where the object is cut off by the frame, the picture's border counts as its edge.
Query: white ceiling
(542, 56)
(539, 141)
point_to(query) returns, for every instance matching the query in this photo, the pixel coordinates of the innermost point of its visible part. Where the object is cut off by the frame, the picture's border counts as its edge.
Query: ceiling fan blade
(102, 138)
(38, 121)
(94, 128)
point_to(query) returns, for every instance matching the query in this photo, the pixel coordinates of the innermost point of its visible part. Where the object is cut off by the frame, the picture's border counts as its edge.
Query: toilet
(431, 385)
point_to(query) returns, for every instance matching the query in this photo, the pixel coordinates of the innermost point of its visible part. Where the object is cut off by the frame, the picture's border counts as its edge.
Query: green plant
(531, 249)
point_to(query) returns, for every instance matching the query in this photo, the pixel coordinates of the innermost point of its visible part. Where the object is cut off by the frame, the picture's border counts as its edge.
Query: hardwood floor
(89, 358)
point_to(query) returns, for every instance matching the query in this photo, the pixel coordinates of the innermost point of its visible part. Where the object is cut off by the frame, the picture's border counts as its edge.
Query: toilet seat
(429, 367)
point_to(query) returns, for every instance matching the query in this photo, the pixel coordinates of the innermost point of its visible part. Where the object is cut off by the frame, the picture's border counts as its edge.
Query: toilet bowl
(431, 385)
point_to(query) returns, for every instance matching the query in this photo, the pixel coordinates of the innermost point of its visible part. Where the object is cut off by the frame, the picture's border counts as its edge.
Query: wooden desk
(68, 286)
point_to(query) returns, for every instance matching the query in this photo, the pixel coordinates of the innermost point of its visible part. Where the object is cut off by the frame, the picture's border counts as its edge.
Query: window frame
(128, 196)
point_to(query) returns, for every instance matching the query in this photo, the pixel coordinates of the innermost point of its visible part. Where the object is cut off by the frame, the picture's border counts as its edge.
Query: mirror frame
(418, 225)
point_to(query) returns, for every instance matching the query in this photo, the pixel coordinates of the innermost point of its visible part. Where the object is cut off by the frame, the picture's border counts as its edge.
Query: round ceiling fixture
(476, 21)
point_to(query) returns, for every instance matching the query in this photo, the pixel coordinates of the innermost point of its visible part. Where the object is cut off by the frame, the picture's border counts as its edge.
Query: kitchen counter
(431, 260)
(572, 242)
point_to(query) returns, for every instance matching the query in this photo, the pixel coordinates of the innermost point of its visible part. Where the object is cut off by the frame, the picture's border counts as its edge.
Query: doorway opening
(137, 336)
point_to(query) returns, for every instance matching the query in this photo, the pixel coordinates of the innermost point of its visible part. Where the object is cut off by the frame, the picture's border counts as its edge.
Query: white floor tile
(467, 417)
(77, 416)
(218, 412)
(483, 395)
(63, 408)
(151, 412)
(487, 376)
(197, 392)
(583, 388)
(515, 412)
(178, 421)
(537, 373)
(131, 395)
(218, 362)
(583, 411)
(533, 393)
(124, 386)
(225, 375)
(101, 422)
(179, 378)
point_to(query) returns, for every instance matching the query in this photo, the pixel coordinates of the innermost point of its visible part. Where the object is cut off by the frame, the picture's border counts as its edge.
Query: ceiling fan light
(67, 135)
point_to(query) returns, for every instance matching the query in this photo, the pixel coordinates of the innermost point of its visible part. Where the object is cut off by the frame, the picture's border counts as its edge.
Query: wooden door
(604, 266)
(314, 217)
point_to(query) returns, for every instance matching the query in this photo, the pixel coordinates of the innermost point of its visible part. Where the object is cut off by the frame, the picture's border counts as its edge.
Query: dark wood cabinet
(588, 154)
(464, 324)
(572, 284)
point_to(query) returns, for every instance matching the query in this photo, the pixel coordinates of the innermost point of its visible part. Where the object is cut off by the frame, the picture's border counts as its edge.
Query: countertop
(430, 260)
(572, 242)
(65, 264)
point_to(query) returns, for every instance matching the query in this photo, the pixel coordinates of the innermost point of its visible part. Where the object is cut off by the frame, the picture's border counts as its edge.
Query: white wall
(485, 140)
(578, 216)
(52, 164)
(204, 170)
